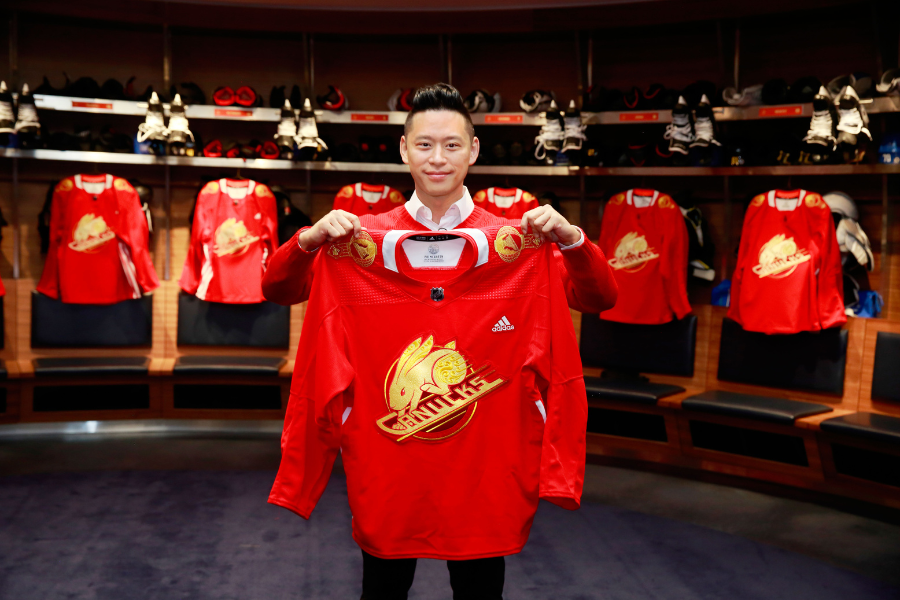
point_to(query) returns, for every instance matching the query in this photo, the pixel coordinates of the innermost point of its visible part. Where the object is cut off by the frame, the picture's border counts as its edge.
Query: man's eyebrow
(427, 138)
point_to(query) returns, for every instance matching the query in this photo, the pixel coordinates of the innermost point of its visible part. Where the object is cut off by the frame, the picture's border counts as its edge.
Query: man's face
(438, 151)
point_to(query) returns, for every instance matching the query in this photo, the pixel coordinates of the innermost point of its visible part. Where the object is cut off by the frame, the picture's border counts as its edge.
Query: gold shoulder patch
(480, 196)
(528, 197)
(346, 191)
(510, 242)
(815, 201)
(64, 186)
(617, 199)
(210, 188)
(758, 201)
(396, 197)
(262, 191)
(665, 202)
(121, 185)
(361, 249)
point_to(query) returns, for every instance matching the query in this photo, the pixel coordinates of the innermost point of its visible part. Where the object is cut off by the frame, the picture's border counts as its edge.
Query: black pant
(390, 579)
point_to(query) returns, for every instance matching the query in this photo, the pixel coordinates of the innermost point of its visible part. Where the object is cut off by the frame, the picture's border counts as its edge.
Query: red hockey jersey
(99, 243)
(645, 240)
(235, 232)
(509, 203)
(453, 389)
(788, 273)
(364, 199)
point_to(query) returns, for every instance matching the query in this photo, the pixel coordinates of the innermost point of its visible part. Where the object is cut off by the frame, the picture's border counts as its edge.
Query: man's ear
(403, 153)
(473, 151)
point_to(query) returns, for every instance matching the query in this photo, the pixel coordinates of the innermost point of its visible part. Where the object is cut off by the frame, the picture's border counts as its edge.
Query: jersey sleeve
(269, 211)
(674, 269)
(564, 442)
(737, 278)
(191, 274)
(830, 292)
(49, 282)
(135, 234)
(587, 278)
(312, 425)
(289, 274)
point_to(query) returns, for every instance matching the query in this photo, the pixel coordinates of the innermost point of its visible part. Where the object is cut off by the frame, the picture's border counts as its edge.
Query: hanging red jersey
(788, 273)
(364, 199)
(645, 240)
(235, 232)
(99, 243)
(509, 203)
(445, 369)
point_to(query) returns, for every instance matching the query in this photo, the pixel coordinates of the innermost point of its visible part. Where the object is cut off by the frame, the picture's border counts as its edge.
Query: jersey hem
(438, 555)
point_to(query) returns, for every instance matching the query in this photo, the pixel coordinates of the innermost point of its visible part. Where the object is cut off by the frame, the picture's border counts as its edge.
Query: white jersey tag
(433, 251)
(786, 204)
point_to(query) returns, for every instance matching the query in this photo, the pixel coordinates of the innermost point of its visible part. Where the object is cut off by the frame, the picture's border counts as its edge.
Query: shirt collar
(464, 205)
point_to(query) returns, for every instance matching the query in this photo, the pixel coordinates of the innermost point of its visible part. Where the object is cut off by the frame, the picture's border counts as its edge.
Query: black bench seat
(870, 426)
(749, 406)
(88, 366)
(640, 392)
(224, 366)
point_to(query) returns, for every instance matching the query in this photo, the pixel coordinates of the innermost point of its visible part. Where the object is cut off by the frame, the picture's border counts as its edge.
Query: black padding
(666, 349)
(3, 372)
(803, 361)
(55, 324)
(202, 323)
(871, 426)
(642, 392)
(88, 366)
(886, 374)
(228, 397)
(91, 397)
(747, 406)
(620, 423)
(2, 324)
(2, 399)
(863, 463)
(228, 365)
(765, 445)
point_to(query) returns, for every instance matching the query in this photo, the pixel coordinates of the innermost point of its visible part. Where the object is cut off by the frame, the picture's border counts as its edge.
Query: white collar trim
(389, 246)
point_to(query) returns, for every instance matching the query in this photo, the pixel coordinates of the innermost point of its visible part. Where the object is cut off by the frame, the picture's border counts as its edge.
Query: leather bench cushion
(748, 406)
(871, 426)
(886, 374)
(666, 349)
(228, 365)
(87, 366)
(642, 392)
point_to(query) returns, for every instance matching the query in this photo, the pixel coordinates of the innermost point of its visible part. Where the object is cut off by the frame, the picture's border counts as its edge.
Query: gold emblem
(814, 201)
(510, 242)
(432, 391)
(91, 232)
(779, 257)
(262, 191)
(665, 202)
(480, 196)
(526, 197)
(210, 188)
(361, 248)
(121, 185)
(617, 199)
(632, 253)
(396, 197)
(758, 201)
(64, 186)
(233, 238)
(346, 191)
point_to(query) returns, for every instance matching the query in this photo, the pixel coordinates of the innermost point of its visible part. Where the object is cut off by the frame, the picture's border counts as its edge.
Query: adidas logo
(503, 325)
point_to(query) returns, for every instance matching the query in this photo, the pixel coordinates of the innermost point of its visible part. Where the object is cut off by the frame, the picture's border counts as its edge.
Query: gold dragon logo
(232, 238)
(510, 242)
(90, 233)
(632, 253)
(779, 257)
(432, 391)
(361, 248)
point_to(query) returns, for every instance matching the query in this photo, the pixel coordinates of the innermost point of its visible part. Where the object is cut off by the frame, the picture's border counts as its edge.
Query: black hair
(440, 96)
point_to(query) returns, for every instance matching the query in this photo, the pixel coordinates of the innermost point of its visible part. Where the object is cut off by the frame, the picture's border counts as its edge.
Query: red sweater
(455, 394)
(586, 276)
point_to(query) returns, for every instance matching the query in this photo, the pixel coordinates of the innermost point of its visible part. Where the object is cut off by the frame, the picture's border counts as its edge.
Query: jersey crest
(480, 196)
(632, 253)
(432, 391)
(90, 233)
(665, 202)
(210, 188)
(815, 201)
(361, 249)
(262, 191)
(232, 238)
(510, 242)
(346, 191)
(396, 197)
(779, 257)
(64, 186)
(121, 184)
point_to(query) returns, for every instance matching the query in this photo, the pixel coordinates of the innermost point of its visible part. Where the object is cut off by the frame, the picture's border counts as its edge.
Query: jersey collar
(629, 195)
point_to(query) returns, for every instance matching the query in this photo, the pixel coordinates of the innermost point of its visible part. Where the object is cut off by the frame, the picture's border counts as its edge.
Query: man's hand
(550, 225)
(335, 224)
